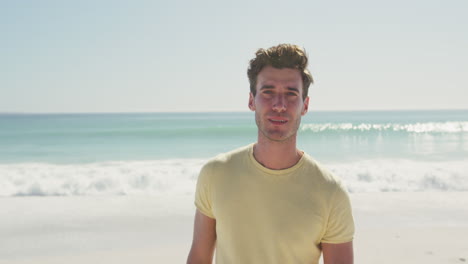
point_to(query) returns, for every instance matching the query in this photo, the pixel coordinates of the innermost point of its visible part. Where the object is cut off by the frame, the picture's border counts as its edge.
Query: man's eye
(292, 94)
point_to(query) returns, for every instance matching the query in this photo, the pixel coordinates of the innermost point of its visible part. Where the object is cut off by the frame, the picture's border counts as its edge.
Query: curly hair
(280, 56)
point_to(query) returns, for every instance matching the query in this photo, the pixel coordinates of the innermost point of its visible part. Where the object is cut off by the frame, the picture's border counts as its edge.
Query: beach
(110, 109)
(403, 227)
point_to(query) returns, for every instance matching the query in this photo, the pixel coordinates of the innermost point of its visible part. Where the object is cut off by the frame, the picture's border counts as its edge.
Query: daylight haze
(148, 56)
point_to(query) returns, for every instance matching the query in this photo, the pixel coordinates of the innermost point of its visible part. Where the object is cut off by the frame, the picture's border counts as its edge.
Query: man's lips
(278, 120)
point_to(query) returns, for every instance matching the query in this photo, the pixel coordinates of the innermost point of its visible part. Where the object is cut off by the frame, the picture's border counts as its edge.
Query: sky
(187, 56)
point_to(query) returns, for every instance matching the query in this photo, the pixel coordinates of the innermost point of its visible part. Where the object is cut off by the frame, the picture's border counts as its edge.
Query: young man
(269, 202)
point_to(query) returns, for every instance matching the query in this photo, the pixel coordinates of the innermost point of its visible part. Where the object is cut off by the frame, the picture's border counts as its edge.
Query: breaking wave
(177, 177)
(429, 127)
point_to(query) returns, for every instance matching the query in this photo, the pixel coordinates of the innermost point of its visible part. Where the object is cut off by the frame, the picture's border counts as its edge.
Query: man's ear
(251, 101)
(305, 107)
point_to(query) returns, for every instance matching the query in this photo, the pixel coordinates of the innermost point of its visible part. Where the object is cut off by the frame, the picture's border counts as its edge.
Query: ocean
(161, 153)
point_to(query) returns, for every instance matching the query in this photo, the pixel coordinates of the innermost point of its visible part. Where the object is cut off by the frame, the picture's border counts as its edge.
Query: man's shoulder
(321, 173)
(228, 158)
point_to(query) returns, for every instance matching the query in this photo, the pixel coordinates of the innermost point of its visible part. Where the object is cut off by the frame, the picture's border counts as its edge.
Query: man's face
(278, 104)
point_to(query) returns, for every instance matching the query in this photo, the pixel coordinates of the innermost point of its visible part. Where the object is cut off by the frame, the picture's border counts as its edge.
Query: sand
(426, 227)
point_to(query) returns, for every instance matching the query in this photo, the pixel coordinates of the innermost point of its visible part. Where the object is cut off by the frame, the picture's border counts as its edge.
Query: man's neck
(277, 155)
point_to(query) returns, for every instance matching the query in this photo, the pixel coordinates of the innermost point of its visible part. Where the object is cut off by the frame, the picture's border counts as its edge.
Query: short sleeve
(203, 192)
(340, 226)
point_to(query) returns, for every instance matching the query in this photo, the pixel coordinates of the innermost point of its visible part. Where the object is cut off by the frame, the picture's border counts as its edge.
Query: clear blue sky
(127, 56)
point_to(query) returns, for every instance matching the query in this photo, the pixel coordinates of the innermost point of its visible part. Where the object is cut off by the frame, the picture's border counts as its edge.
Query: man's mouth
(278, 121)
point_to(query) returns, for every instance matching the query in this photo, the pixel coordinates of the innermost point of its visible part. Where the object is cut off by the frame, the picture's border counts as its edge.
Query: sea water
(162, 153)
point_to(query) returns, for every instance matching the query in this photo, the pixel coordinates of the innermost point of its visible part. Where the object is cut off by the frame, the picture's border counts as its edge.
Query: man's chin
(277, 136)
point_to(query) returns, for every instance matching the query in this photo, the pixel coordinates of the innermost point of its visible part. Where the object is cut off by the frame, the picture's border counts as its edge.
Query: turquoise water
(162, 153)
(83, 138)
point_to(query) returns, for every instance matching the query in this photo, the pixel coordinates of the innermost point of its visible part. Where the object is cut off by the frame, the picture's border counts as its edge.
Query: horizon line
(223, 111)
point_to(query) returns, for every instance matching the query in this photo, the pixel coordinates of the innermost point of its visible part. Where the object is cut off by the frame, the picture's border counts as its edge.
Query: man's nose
(279, 103)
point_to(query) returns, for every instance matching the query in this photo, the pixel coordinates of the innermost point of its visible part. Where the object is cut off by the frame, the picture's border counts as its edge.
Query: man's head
(279, 81)
(281, 56)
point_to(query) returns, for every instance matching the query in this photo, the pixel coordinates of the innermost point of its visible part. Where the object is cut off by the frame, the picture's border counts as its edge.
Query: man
(269, 202)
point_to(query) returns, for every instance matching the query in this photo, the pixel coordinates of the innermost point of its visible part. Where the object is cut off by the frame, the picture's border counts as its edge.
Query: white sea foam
(396, 175)
(429, 127)
(177, 177)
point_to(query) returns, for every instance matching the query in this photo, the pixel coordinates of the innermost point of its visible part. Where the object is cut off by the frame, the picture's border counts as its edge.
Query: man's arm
(338, 253)
(204, 238)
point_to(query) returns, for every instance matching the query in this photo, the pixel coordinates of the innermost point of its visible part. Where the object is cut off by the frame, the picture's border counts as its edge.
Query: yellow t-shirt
(272, 216)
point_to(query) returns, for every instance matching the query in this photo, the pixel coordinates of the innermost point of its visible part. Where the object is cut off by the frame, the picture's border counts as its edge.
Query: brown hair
(281, 56)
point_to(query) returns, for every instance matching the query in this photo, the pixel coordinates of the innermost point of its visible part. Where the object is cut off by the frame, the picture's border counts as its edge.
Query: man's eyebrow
(266, 86)
(293, 89)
